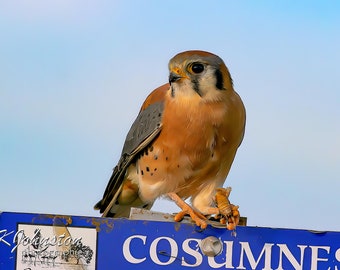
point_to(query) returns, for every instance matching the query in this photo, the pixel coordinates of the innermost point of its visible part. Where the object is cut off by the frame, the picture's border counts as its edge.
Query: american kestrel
(182, 143)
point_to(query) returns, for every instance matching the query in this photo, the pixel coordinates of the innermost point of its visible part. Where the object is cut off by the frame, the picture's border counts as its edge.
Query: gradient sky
(73, 75)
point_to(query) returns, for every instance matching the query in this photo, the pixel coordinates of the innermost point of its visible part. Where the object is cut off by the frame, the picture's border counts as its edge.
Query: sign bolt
(211, 246)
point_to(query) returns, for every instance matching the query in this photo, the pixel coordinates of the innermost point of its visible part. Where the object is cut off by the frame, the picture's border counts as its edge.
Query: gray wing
(143, 131)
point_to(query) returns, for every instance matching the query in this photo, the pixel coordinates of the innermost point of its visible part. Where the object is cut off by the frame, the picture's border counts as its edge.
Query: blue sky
(73, 75)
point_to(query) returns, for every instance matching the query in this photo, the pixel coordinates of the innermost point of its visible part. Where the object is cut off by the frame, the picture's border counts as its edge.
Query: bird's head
(199, 73)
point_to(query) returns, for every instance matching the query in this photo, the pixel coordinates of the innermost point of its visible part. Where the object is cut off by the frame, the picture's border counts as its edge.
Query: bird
(182, 143)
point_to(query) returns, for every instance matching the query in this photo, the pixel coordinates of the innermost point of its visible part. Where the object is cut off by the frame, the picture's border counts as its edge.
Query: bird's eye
(197, 68)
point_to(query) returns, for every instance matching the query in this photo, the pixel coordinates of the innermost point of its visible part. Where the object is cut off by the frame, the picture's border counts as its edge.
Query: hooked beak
(173, 77)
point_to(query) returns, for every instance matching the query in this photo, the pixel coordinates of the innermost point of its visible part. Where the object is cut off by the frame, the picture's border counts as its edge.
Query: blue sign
(40, 241)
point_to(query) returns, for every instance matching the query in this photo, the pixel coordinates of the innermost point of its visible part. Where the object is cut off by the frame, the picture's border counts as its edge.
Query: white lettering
(4, 234)
(126, 249)
(228, 258)
(53, 241)
(42, 242)
(267, 250)
(284, 250)
(315, 256)
(19, 237)
(165, 251)
(68, 240)
(229, 254)
(337, 255)
(193, 252)
(173, 251)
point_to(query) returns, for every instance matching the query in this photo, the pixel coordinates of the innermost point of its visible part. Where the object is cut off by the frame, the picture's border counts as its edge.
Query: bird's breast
(195, 143)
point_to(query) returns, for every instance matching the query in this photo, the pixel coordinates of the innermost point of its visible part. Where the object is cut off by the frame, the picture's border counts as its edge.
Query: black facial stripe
(219, 79)
(172, 91)
(196, 87)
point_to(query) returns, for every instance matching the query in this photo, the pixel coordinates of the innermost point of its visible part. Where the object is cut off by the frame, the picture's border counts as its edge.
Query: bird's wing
(145, 128)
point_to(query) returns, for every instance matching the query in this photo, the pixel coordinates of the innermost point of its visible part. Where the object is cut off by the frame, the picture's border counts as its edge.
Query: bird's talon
(198, 218)
(179, 216)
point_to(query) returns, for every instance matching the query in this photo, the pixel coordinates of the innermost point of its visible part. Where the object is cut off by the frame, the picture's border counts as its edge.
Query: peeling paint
(99, 223)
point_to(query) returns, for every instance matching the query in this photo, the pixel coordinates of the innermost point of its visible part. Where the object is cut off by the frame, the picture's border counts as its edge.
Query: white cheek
(183, 89)
(207, 82)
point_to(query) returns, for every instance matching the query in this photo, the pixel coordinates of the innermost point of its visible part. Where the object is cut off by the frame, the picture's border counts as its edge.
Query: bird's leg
(197, 217)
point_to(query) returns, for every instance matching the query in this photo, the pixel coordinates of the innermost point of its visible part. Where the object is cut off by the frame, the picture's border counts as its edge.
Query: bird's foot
(198, 218)
(229, 213)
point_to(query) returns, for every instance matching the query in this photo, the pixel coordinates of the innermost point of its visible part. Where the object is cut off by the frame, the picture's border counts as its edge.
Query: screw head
(211, 246)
